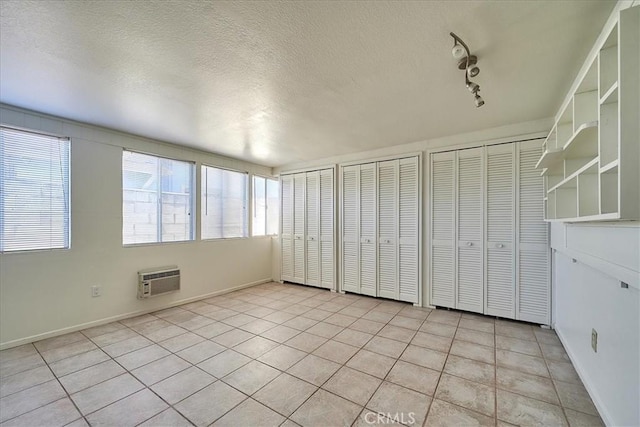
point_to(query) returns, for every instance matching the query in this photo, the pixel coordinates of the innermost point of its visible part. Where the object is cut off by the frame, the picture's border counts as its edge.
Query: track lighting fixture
(468, 63)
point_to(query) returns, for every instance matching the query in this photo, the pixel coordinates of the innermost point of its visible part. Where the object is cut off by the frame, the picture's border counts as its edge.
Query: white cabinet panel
(350, 229)
(470, 264)
(500, 199)
(409, 230)
(387, 229)
(327, 232)
(442, 229)
(312, 222)
(299, 187)
(286, 235)
(368, 208)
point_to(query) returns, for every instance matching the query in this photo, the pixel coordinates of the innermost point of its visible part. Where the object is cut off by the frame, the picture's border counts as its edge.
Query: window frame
(247, 202)
(192, 201)
(67, 187)
(266, 211)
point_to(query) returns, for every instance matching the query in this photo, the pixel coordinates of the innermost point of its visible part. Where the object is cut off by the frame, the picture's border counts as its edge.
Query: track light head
(473, 70)
(473, 87)
(479, 101)
(458, 51)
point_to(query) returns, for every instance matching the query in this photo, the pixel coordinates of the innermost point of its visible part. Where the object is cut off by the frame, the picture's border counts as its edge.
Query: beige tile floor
(291, 355)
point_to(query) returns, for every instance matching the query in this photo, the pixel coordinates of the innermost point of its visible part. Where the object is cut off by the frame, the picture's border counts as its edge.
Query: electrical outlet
(594, 340)
(96, 291)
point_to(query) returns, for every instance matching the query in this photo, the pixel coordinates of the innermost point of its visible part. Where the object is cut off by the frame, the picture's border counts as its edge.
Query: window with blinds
(157, 199)
(34, 191)
(224, 203)
(265, 206)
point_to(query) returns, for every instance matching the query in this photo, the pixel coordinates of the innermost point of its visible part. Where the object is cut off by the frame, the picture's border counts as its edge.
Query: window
(265, 206)
(34, 191)
(224, 203)
(157, 199)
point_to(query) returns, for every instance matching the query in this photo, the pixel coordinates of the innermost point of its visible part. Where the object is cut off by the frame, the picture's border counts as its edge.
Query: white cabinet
(380, 232)
(489, 243)
(591, 158)
(307, 231)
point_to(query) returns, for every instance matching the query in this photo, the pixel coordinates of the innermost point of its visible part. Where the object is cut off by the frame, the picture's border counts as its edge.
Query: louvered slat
(409, 217)
(387, 229)
(534, 292)
(442, 276)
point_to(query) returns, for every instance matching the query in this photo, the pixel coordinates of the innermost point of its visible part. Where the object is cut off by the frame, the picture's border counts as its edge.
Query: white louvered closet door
(500, 231)
(350, 237)
(443, 219)
(368, 232)
(327, 271)
(286, 226)
(299, 211)
(387, 229)
(470, 224)
(533, 292)
(409, 230)
(312, 224)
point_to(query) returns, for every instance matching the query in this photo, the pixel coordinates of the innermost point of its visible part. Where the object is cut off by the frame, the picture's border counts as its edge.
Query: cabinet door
(368, 209)
(299, 186)
(286, 236)
(500, 231)
(533, 239)
(442, 229)
(327, 271)
(388, 229)
(312, 226)
(470, 262)
(350, 237)
(409, 230)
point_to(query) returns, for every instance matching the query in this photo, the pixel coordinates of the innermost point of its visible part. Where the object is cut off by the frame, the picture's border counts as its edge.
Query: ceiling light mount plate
(462, 63)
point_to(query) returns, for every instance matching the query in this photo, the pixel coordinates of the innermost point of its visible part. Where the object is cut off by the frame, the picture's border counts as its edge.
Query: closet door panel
(470, 262)
(312, 225)
(368, 208)
(327, 271)
(442, 229)
(299, 211)
(350, 252)
(286, 226)
(533, 237)
(500, 231)
(387, 229)
(409, 230)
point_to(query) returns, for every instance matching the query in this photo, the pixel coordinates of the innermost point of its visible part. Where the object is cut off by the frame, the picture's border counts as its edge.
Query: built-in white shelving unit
(591, 158)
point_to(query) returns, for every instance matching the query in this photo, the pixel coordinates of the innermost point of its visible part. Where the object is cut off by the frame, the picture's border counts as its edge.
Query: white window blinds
(34, 191)
(265, 206)
(157, 199)
(224, 203)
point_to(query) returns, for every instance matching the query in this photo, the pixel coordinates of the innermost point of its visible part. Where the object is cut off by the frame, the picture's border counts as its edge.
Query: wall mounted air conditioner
(157, 281)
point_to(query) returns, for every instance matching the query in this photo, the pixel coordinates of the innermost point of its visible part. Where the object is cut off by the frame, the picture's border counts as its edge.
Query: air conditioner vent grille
(161, 275)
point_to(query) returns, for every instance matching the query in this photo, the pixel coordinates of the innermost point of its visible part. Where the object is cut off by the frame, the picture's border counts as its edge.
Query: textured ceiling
(281, 82)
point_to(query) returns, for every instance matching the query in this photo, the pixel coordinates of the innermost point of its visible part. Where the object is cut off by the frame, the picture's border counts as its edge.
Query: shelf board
(548, 158)
(611, 95)
(609, 167)
(584, 168)
(584, 133)
(599, 217)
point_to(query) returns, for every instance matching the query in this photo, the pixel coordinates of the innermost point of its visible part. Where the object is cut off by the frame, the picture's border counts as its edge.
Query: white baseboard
(591, 389)
(62, 331)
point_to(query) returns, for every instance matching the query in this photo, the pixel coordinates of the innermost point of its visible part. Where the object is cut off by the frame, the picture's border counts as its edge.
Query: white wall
(48, 292)
(515, 132)
(588, 295)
